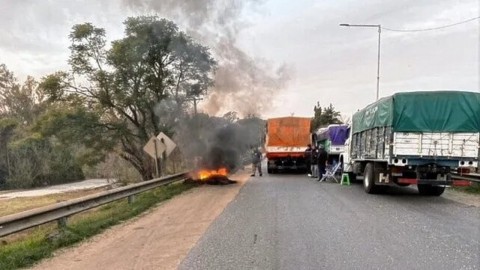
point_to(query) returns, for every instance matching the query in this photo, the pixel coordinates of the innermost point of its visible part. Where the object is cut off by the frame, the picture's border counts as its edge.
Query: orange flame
(205, 174)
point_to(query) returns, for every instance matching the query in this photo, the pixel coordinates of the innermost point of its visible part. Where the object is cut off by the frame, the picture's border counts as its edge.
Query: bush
(35, 162)
(63, 168)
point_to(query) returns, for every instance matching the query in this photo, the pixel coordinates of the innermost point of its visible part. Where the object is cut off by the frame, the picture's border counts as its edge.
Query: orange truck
(286, 141)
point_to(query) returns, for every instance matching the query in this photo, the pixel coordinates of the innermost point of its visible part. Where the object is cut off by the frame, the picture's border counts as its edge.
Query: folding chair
(330, 172)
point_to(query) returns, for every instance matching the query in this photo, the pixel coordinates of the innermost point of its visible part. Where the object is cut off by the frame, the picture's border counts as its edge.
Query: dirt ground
(160, 239)
(462, 197)
(56, 189)
(15, 205)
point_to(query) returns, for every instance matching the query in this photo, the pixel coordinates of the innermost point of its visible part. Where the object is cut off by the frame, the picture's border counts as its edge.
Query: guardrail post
(62, 223)
(131, 199)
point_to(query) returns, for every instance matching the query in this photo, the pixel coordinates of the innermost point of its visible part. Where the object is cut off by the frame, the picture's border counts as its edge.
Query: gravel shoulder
(159, 239)
(462, 197)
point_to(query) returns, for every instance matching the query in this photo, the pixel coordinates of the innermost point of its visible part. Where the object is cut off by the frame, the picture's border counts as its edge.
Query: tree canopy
(132, 90)
(325, 116)
(29, 157)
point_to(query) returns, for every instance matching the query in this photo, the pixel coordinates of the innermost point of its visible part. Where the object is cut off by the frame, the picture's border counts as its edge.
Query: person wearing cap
(322, 161)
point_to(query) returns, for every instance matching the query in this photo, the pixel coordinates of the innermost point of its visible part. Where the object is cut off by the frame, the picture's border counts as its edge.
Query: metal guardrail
(61, 211)
(468, 177)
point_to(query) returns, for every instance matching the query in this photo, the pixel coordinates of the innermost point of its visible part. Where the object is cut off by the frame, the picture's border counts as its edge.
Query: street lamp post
(378, 56)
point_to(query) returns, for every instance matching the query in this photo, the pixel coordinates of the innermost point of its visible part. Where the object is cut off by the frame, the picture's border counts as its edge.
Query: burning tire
(212, 177)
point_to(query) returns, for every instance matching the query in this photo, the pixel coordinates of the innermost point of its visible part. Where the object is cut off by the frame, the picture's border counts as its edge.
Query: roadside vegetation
(25, 249)
(115, 96)
(54, 129)
(325, 116)
(473, 189)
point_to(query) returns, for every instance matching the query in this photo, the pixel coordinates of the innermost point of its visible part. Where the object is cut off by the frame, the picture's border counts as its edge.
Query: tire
(352, 177)
(270, 170)
(369, 180)
(403, 185)
(429, 190)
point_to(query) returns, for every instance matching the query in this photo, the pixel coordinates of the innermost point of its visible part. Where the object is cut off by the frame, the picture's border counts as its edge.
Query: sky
(326, 63)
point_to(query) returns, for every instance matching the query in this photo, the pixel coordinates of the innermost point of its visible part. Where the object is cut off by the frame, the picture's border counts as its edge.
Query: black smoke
(218, 141)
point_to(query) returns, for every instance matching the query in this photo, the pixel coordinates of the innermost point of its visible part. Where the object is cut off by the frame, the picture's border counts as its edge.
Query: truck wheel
(369, 180)
(429, 190)
(402, 184)
(352, 177)
(270, 170)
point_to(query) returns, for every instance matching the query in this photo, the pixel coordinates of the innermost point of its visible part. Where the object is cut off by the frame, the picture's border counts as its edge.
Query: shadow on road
(399, 194)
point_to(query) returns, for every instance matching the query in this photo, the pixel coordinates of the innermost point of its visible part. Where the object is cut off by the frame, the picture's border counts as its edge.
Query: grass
(16, 205)
(474, 188)
(40, 243)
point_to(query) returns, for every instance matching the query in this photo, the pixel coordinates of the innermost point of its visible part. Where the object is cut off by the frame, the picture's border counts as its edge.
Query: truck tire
(369, 180)
(429, 190)
(352, 177)
(403, 185)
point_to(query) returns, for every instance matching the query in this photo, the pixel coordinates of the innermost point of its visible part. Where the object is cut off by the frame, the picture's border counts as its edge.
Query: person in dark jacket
(256, 162)
(308, 155)
(322, 161)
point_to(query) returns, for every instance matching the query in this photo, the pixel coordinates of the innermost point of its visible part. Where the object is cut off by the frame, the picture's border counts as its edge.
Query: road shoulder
(462, 197)
(159, 239)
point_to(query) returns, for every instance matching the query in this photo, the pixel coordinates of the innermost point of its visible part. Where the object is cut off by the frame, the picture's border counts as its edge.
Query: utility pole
(378, 56)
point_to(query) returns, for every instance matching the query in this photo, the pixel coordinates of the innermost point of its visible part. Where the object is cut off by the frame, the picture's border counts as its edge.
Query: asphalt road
(292, 222)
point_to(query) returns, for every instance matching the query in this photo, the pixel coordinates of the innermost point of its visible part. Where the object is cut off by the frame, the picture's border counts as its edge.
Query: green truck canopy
(425, 111)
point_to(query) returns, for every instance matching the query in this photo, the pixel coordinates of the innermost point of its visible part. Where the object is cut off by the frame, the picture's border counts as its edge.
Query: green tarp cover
(428, 111)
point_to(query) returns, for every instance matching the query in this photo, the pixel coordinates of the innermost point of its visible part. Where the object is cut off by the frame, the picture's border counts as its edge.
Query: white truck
(414, 138)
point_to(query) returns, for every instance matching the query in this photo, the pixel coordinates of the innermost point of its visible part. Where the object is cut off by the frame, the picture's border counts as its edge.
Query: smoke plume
(218, 141)
(242, 83)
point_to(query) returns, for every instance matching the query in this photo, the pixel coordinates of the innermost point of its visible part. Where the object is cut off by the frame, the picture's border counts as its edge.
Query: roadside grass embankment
(27, 248)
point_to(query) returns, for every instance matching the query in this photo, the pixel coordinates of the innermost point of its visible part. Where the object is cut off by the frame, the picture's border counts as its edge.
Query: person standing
(256, 162)
(314, 162)
(322, 162)
(308, 156)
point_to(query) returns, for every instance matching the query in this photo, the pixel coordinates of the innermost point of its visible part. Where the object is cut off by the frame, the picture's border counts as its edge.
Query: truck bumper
(286, 164)
(433, 182)
(289, 167)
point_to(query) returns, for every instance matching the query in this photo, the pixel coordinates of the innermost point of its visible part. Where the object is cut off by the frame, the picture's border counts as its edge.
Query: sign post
(169, 147)
(155, 148)
(156, 158)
